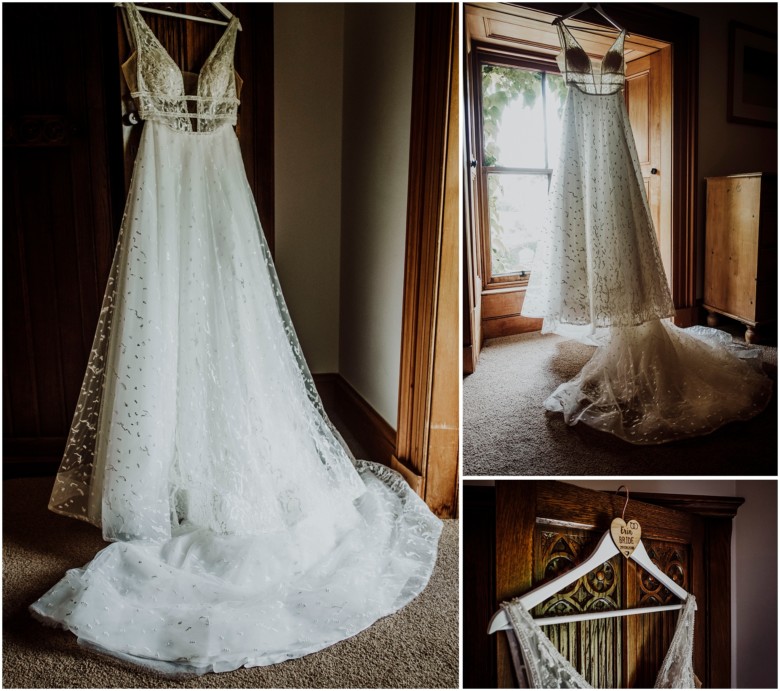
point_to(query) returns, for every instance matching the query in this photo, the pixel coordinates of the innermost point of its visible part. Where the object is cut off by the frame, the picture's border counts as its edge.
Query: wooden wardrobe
(519, 533)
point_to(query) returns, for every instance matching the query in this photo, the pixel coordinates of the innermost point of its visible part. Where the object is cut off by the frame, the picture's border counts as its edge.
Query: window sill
(499, 288)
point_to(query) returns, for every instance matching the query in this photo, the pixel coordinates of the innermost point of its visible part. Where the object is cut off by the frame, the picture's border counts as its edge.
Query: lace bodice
(606, 77)
(536, 657)
(160, 89)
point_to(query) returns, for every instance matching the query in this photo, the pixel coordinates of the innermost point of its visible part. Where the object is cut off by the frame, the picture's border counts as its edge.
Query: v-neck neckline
(690, 602)
(210, 57)
(620, 35)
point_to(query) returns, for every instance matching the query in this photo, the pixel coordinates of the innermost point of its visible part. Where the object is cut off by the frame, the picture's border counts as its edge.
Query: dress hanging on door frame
(244, 533)
(598, 277)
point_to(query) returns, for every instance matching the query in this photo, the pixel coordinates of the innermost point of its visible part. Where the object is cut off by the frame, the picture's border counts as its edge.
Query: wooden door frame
(682, 31)
(498, 522)
(472, 262)
(426, 451)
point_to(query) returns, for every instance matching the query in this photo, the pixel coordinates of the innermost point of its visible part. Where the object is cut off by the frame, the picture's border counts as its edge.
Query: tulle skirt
(244, 532)
(598, 263)
(598, 278)
(655, 383)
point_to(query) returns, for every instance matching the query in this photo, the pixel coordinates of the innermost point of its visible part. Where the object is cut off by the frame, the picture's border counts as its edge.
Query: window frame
(485, 54)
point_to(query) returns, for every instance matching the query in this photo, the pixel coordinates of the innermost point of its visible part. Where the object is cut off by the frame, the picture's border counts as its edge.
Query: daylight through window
(521, 125)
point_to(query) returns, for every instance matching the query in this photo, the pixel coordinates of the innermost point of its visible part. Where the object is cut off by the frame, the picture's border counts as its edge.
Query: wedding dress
(598, 277)
(243, 532)
(538, 661)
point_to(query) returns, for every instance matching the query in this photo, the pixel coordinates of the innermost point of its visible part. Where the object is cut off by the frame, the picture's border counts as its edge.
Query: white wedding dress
(538, 661)
(598, 277)
(243, 531)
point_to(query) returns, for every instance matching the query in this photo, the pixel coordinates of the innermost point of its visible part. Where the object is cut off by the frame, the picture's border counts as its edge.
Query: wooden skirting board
(370, 429)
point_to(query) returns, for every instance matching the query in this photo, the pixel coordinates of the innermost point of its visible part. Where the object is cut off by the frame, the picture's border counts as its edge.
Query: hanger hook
(626, 504)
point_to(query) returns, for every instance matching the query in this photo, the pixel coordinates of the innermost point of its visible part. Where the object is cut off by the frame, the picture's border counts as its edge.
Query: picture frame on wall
(752, 89)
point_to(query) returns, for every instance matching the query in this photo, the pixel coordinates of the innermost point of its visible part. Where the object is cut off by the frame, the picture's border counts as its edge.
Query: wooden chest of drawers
(740, 265)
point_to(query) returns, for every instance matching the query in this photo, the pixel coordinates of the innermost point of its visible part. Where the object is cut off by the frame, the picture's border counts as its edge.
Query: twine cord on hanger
(623, 515)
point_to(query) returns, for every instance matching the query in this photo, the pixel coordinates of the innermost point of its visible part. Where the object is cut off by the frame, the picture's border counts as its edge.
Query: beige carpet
(506, 431)
(415, 648)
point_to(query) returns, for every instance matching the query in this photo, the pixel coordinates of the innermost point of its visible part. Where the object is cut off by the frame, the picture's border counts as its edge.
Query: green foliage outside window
(501, 87)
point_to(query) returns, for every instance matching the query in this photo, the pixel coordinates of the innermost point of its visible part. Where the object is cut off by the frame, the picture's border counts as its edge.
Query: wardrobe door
(543, 529)
(59, 216)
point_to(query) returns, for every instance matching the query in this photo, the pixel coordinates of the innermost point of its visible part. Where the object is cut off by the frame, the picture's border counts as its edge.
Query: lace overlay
(546, 668)
(193, 329)
(244, 531)
(656, 383)
(604, 78)
(599, 263)
(157, 85)
(598, 277)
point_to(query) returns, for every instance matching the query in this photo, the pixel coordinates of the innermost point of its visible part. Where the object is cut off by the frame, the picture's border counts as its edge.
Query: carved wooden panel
(593, 647)
(651, 635)
(557, 551)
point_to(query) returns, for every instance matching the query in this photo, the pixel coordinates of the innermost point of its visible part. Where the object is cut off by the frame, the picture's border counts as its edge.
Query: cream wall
(343, 84)
(754, 586)
(308, 91)
(725, 148)
(378, 56)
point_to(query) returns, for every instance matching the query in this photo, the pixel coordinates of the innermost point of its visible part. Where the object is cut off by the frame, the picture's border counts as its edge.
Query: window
(521, 110)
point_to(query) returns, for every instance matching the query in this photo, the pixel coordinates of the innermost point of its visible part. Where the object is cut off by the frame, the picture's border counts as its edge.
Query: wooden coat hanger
(605, 550)
(589, 6)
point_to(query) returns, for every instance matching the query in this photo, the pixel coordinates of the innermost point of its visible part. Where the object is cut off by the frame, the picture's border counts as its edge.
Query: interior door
(472, 278)
(648, 95)
(521, 533)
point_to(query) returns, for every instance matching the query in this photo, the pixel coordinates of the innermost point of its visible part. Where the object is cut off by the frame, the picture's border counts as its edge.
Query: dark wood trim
(479, 592)
(716, 628)
(255, 125)
(368, 426)
(471, 279)
(516, 505)
(469, 359)
(426, 180)
(717, 550)
(723, 507)
(420, 452)
(370, 429)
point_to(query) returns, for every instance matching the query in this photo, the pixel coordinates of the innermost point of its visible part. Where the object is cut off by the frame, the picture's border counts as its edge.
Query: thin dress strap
(133, 25)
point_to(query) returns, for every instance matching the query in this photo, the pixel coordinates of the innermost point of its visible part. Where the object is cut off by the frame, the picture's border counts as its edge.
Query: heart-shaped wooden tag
(626, 535)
